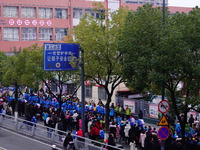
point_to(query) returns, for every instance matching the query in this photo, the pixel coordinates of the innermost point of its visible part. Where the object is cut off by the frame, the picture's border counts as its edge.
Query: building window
(88, 11)
(95, 14)
(102, 93)
(45, 34)
(60, 13)
(77, 13)
(28, 34)
(28, 12)
(10, 11)
(70, 89)
(60, 33)
(54, 87)
(88, 91)
(11, 34)
(45, 13)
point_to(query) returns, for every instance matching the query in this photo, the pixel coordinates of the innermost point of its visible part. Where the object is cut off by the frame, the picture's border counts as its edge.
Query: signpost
(163, 133)
(61, 56)
(65, 56)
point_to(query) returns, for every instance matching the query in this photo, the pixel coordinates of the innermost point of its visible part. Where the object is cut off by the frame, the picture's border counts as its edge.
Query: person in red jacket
(80, 133)
(94, 132)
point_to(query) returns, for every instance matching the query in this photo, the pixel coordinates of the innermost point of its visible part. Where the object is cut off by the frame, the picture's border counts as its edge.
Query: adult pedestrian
(94, 132)
(128, 112)
(50, 126)
(142, 138)
(122, 133)
(191, 120)
(67, 141)
(111, 141)
(147, 141)
(140, 115)
(113, 128)
(60, 129)
(155, 145)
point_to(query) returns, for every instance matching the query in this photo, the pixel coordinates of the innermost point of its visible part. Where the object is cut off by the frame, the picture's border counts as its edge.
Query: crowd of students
(123, 128)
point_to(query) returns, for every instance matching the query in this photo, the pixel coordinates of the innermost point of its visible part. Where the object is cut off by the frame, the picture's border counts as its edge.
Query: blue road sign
(163, 133)
(61, 56)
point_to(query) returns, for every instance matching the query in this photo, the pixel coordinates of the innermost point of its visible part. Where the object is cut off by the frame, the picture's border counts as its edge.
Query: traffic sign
(163, 133)
(163, 121)
(163, 106)
(61, 56)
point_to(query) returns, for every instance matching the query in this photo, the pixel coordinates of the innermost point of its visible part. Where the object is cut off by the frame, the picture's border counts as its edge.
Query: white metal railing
(51, 134)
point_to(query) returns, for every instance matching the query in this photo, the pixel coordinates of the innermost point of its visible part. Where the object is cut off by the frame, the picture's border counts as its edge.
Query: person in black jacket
(140, 115)
(155, 145)
(60, 128)
(111, 142)
(68, 141)
(131, 134)
(147, 141)
(50, 125)
(191, 120)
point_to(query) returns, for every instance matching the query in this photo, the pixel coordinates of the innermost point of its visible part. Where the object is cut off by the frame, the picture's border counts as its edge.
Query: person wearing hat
(53, 147)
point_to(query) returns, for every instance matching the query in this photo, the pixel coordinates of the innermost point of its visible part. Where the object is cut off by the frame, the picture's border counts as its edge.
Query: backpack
(95, 109)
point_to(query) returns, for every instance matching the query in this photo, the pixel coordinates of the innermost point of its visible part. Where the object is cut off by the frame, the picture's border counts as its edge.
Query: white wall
(95, 98)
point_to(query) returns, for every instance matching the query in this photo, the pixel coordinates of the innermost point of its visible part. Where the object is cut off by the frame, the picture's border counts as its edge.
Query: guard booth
(136, 104)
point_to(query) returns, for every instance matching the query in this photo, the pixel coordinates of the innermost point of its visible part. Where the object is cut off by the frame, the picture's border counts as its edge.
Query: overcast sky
(184, 3)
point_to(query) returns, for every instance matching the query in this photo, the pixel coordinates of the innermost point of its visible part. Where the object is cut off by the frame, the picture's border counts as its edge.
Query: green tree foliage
(99, 40)
(12, 70)
(154, 53)
(3, 58)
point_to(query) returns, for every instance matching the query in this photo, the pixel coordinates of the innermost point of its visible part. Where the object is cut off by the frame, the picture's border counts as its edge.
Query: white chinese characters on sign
(49, 23)
(34, 22)
(19, 22)
(11, 22)
(58, 58)
(41, 22)
(52, 47)
(27, 22)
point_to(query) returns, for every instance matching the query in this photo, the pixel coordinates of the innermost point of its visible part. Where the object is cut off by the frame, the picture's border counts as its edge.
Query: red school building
(24, 22)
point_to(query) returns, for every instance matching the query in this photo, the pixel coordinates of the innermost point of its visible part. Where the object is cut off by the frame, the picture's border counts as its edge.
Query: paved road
(10, 140)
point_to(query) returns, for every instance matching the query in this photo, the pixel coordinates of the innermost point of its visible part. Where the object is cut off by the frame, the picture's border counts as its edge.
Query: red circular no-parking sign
(163, 106)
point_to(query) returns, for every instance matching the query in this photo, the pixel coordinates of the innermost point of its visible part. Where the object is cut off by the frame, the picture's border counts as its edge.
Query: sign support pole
(163, 83)
(82, 92)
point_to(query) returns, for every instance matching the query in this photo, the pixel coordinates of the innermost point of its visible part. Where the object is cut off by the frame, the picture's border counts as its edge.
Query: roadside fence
(53, 135)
